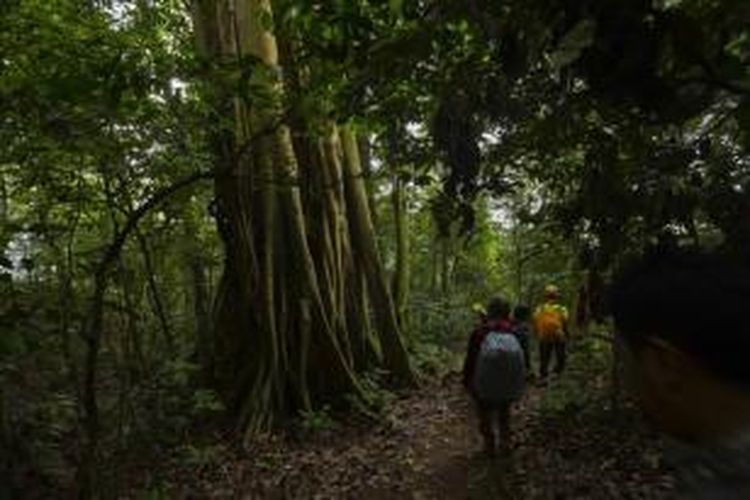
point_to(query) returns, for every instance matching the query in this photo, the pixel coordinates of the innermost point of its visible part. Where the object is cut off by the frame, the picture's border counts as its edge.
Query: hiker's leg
(560, 355)
(545, 351)
(525, 341)
(485, 426)
(503, 424)
(527, 359)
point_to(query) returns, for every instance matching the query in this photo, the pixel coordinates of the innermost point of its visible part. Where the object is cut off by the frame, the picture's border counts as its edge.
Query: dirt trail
(427, 447)
(582, 455)
(448, 462)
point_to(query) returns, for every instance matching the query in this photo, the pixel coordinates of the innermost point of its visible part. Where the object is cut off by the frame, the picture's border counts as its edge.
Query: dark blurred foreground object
(684, 318)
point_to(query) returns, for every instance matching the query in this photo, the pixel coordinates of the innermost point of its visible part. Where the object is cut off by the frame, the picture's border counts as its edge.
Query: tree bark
(281, 334)
(363, 239)
(365, 153)
(401, 275)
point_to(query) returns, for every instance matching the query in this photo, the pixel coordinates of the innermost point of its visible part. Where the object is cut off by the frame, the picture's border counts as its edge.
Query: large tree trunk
(365, 153)
(401, 274)
(365, 246)
(284, 304)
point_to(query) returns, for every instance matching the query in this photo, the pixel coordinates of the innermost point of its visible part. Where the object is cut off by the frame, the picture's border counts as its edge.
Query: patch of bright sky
(416, 130)
(667, 4)
(492, 137)
(17, 250)
(119, 12)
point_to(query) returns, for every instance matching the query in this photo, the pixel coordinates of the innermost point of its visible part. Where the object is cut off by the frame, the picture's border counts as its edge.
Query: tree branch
(732, 87)
(135, 217)
(91, 331)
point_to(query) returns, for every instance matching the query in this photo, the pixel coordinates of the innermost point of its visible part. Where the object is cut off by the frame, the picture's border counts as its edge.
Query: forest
(243, 242)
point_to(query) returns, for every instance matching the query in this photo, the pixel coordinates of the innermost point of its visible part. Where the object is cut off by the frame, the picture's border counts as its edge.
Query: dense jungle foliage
(242, 217)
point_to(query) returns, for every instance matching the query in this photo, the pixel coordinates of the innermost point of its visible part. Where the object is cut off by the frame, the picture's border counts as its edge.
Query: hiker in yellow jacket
(551, 329)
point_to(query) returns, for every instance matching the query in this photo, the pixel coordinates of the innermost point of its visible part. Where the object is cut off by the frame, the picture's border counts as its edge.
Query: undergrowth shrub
(317, 420)
(440, 330)
(588, 376)
(38, 406)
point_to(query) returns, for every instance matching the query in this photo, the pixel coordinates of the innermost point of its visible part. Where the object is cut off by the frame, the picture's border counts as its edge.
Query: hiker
(522, 328)
(551, 329)
(494, 374)
(682, 320)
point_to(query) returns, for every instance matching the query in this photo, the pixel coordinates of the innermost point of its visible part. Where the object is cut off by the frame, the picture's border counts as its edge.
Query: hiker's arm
(527, 347)
(534, 322)
(470, 360)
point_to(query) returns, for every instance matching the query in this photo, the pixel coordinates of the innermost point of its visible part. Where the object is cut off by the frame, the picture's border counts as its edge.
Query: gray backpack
(500, 375)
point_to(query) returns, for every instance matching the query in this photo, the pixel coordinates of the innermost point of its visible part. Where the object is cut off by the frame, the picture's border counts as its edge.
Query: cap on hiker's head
(498, 308)
(551, 291)
(478, 308)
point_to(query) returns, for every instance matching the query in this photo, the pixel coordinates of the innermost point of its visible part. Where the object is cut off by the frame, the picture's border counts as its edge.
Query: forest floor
(427, 447)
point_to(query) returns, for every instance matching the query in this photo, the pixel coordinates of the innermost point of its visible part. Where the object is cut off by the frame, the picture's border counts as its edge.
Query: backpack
(500, 374)
(522, 331)
(549, 322)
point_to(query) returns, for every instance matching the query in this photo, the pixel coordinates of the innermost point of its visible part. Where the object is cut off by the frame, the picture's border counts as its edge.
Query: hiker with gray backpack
(495, 373)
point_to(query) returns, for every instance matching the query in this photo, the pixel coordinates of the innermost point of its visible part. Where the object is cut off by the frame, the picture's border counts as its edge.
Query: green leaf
(265, 19)
(11, 344)
(397, 7)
